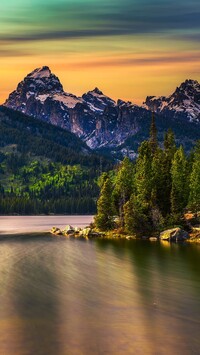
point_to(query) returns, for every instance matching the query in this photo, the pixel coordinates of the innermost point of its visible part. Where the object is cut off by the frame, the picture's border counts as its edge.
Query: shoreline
(92, 233)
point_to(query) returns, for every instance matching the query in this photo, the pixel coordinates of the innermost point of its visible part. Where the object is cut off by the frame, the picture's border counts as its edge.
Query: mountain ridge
(97, 119)
(185, 100)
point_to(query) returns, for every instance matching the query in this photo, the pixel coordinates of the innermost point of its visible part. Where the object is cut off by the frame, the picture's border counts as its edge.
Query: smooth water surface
(62, 296)
(26, 224)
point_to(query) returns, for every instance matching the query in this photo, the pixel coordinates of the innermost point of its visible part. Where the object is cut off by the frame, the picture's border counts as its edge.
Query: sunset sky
(127, 48)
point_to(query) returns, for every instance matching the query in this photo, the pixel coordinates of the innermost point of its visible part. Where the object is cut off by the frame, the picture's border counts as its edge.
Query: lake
(61, 296)
(27, 224)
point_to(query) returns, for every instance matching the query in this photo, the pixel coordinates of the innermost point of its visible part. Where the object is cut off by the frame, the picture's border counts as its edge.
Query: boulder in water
(174, 235)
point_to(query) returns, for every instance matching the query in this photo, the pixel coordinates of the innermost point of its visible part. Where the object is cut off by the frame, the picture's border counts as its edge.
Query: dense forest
(152, 193)
(45, 169)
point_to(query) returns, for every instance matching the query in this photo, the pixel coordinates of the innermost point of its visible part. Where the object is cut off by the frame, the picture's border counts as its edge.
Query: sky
(127, 48)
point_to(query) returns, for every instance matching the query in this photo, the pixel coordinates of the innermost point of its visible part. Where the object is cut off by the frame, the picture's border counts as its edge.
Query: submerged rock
(174, 235)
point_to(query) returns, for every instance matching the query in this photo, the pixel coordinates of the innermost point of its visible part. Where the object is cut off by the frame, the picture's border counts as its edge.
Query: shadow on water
(29, 320)
(167, 279)
(60, 296)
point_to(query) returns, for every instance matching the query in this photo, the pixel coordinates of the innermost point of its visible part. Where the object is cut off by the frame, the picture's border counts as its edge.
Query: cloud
(54, 20)
(14, 52)
(139, 61)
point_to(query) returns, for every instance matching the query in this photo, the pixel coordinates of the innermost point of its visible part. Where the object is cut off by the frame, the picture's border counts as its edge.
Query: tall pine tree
(153, 134)
(143, 173)
(104, 220)
(179, 191)
(194, 197)
(123, 186)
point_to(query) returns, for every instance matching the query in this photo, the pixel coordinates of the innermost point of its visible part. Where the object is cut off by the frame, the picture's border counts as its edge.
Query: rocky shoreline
(171, 235)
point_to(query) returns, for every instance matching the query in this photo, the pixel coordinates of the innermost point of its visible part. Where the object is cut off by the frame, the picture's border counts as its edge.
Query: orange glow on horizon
(129, 77)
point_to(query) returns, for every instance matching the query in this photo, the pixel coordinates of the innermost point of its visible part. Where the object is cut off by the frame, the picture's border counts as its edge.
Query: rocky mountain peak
(97, 91)
(188, 88)
(97, 100)
(36, 86)
(190, 82)
(39, 82)
(95, 117)
(39, 73)
(185, 101)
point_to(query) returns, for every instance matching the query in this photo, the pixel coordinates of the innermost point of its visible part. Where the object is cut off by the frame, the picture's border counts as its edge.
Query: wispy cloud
(52, 20)
(177, 58)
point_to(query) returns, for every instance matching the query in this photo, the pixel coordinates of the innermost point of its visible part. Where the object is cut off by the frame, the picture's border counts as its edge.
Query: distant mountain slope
(43, 139)
(101, 122)
(186, 133)
(183, 103)
(45, 169)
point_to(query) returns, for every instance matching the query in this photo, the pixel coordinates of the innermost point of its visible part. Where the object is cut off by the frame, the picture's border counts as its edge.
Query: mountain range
(101, 122)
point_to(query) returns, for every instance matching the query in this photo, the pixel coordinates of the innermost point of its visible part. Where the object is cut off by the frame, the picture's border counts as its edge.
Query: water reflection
(167, 287)
(29, 317)
(61, 296)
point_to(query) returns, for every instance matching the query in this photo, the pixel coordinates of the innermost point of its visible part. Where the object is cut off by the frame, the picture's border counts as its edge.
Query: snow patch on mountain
(38, 73)
(68, 100)
(97, 100)
(95, 117)
(185, 100)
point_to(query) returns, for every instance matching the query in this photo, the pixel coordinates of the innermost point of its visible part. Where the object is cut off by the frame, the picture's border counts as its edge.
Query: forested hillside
(44, 169)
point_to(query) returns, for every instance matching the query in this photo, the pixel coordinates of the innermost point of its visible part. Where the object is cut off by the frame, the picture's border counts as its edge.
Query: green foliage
(153, 193)
(194, 197)
(153, 135)
(45, 169)
(169, 143)
(34, 137)
(136, 218)
(179, 191)
(166, 164)
(143, 173)
(186, 133)
(46, 187)
(123, 186)
(104, 219)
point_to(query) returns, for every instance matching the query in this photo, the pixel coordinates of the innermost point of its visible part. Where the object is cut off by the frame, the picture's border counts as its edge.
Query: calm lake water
(62, 296)
(26, 224)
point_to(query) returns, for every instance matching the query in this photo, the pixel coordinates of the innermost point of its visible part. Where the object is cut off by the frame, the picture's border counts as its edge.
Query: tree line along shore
(157, 196)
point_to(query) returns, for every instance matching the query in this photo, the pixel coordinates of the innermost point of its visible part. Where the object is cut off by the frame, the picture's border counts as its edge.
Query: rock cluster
(70, 231)
(171, 235)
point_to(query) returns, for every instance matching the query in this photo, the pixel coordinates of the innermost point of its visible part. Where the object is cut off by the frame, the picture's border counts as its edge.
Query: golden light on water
(68, 296)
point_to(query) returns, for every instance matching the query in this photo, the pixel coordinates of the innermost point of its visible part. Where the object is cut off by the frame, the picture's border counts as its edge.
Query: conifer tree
(104, 219)
(136, 217)
(143, 173)
(179, 192)
(168, 154)
(153, 134)
(157, 200)
(123, 186)
(194, 197)
(169, 142)
(138, 208)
